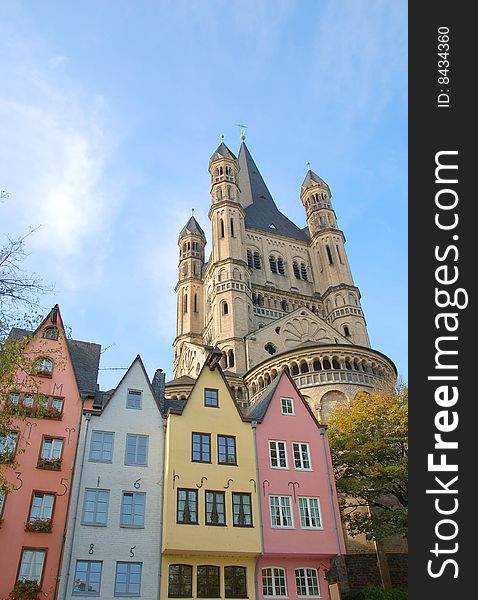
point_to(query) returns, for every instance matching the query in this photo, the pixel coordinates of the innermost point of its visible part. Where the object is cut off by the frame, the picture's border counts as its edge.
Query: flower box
(36, 411)
(25, 590)
(53, 464)
(39, 525)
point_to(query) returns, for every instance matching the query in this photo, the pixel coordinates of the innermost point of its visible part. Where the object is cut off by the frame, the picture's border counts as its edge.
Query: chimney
(158, 387)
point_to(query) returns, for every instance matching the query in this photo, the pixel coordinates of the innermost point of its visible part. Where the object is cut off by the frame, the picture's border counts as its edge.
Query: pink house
(42, 447)
(301, 525)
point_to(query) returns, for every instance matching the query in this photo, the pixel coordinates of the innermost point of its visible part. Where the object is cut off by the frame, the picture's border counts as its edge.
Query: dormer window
(50, 333)
(44, 366)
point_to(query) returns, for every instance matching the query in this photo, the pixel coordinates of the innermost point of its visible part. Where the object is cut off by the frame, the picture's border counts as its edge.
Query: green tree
(369, 447)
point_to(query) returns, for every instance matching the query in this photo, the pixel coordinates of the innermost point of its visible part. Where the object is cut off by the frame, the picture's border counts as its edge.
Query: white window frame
(308, 503)
(287, 414)
(308, 595)
(28, 566)
(136, 394)
(277, 442)
(53, 448)
(302, 468)
(95, 513)
(137, 436)
(42, 508)
(102, 460)
(274, 590)
(87, 581)
(281, 506)
(134, 503)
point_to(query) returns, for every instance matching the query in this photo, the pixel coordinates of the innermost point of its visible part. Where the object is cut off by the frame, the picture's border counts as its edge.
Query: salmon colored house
(301, 526)
(46, 410)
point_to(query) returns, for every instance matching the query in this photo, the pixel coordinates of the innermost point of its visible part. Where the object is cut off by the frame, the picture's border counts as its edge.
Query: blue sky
(109, 112)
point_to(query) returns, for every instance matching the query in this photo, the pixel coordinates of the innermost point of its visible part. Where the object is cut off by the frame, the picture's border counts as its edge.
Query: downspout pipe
(70, 492)
(323, 429)
(77, 501)
(261, 527)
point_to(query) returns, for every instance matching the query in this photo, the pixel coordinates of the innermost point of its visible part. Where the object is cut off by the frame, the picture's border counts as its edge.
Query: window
(215, 509)
(309, 511)
(195, 295)
(128, 579)
(208, 582)
(307, 582)
(278, 454)
(3, 495)
(14, 398)
(42, 507)
(27, 401)
(101, 448)
(44, 366)
(280, 266)
(180, 582)
(296, 270)
(287, 406)
(134, 399)
(87, 580)
(8, 445)
(281, 515)
(50, 333)
(250, 262)
(257, 261)
(346, 331)
(270, 348)
(57, 404)
(187, 508)
(329, 255)
(201, 447)
(185, 303)
(303, 271)
(221, 225)
(133, 509)
(235, 582)
(31, 565)
(273, 582)
(225, 308)
(301, 455)
(95, 507)
(232, 228)
(338, 254)
(226, 450)
(230, 356)
(51, 448)
(241, 510)
(136, 449)
(273, 264)
(211, 397)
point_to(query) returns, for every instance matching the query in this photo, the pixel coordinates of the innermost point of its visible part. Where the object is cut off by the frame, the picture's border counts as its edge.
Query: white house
(113, 543)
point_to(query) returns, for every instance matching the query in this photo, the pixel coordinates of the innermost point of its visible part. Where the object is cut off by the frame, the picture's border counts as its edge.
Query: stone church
(271, 295)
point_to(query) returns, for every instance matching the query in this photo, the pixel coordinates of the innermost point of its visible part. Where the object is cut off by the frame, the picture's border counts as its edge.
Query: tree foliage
(369, 447)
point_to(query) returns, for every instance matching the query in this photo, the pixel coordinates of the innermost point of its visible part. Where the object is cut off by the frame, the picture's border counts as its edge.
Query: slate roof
(261, 210)
(257, 411)
(85, 357)
(183, 380)
(192, 226)
(312, 178)
(222, 150)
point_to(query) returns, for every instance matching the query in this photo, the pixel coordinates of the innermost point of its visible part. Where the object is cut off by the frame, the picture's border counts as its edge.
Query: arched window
(304, 367)
(221, 228)
(229, 192)
(326, 364)
(50, 333)
(230, 355)
(195, 303)
(260, 300)
(280, 266)
(284, 305)
(185, 303)
(185, 247)
(250, 263)
(232, 228)
(346, 331)
(335, 363)
(273, 264)
(269, 347)
(43, 366)
(329, 255)
(296, 270)
(316, 365)
(225, 308)
(294, 369)
(257, 260)
(303, 271)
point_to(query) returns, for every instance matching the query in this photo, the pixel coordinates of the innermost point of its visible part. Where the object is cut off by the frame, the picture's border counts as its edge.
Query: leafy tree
(369, 447)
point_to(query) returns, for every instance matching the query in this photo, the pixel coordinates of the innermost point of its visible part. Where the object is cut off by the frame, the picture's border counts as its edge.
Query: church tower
(189, 289)
(341, 299)
(227, 279)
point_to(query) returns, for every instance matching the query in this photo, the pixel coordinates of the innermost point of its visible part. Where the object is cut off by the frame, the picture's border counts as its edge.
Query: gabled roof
(191, 227)
(261, 210)
(85, 358)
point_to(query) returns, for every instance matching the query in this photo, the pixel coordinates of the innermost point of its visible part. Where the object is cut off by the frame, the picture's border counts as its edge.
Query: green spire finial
(308, 166)
(243, 131)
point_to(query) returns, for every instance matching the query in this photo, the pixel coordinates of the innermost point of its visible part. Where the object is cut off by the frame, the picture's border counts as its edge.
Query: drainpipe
(323, 429)
(77, 501)
(165, 425)
(254, 430)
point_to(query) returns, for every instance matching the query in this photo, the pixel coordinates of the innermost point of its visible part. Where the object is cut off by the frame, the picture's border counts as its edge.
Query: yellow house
(211, 523)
